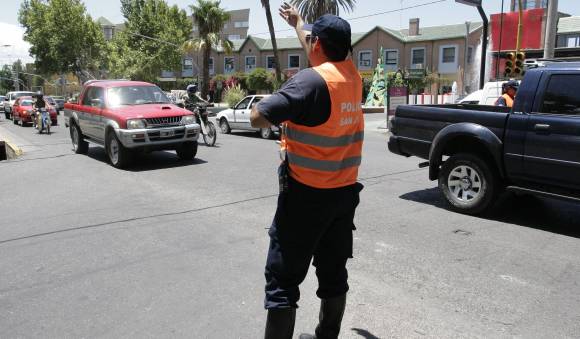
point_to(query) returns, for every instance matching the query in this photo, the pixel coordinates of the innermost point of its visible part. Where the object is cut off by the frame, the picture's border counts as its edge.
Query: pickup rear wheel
(187, 150)
(119, 156)
(80, 146)
(468, 183)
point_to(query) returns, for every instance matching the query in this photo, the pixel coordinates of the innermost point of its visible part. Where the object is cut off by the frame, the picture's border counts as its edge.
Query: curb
(12, 151)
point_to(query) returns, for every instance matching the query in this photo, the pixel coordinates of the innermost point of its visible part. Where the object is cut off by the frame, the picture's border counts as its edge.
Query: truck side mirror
(96, 103)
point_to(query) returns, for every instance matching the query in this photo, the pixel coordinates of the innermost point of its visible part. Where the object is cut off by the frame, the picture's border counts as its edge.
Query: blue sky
(446, 12)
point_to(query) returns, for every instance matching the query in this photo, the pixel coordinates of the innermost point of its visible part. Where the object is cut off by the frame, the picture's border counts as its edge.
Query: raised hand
(290, 14)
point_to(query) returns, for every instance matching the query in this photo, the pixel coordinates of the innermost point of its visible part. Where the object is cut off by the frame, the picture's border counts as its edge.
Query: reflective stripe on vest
(329, 155)
(323, 141)
(323, 165)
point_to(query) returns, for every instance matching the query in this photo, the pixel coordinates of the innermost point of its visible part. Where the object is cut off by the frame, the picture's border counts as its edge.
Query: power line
(367, 16)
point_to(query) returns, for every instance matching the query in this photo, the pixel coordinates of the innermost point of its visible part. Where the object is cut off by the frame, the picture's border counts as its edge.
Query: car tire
(187, 151)
(7, 115)
(118, 155)
(469, 184)
(80, 145)
(266, 133)
(224, 126)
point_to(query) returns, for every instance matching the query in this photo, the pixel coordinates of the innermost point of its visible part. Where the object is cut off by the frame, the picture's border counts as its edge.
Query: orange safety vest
(508, 100)
(329, 155)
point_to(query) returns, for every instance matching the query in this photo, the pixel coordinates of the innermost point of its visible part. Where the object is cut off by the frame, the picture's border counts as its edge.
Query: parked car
(2, 97)
(128, 117)
(478, 151)
(59, 103)
(238, 117)
(22, 111)
(9, 101)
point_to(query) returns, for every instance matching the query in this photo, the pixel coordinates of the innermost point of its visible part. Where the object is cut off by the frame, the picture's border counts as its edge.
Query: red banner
(532, 33)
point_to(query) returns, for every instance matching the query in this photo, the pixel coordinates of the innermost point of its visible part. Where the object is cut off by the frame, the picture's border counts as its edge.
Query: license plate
(168, 133)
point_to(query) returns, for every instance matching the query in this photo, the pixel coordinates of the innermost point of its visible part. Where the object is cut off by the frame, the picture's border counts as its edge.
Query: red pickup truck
(127, 117)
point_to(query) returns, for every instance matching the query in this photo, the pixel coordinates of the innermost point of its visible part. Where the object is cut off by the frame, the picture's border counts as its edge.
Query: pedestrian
(321, 146)
(510, 90)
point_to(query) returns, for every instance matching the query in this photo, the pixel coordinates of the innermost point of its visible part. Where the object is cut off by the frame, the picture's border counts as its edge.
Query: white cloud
(13, 35)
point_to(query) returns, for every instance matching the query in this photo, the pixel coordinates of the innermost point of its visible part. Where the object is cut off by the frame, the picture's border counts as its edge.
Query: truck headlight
(135, 124)
(187, 120)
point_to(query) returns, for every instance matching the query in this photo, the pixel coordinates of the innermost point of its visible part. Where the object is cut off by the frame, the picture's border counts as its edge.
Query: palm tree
(210, 19)
(310, 10)
(266, 5)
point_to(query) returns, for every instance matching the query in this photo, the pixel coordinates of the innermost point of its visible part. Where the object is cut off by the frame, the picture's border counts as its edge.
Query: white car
(238, 117)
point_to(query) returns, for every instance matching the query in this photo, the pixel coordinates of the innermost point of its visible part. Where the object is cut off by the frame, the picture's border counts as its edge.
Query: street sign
(397, 96)
(417, 73)
(470, 2)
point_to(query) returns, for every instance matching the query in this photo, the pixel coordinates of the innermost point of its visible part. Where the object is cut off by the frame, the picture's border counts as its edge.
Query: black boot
(280, 323)
(330, 318)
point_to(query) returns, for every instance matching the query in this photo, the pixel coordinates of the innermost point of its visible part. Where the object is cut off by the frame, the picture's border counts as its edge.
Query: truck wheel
(119, 156)
(224, 126)
(468, 183)
(187, 150)
(80, 146)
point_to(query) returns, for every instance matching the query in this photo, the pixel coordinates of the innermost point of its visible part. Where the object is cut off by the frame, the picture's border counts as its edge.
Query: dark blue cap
(332, 29)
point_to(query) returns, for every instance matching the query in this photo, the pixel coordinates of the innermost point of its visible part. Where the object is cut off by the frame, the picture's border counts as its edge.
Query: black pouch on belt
(283, 177)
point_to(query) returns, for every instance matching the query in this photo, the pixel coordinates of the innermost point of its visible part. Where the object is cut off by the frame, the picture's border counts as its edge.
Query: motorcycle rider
(192, 97)
(37, 105)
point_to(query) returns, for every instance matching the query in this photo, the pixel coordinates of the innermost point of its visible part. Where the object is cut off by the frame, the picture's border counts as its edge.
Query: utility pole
(551, 29)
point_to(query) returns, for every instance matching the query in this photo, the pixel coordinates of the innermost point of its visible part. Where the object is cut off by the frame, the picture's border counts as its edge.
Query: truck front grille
(163, 122)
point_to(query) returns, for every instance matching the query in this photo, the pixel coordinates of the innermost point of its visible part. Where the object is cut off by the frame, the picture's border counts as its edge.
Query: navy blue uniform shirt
(304, 99)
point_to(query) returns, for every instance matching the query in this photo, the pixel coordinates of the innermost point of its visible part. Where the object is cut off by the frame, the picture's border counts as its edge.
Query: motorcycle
(208, 130)
(41, 121)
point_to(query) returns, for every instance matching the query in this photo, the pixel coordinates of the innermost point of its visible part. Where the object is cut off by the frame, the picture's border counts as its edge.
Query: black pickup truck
(476, 152)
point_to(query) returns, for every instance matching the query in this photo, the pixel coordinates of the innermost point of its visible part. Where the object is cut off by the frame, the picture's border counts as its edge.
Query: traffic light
(519, 63)
(510, 64)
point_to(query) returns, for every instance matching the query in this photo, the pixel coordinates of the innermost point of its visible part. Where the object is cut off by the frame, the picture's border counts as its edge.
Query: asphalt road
(173, 249)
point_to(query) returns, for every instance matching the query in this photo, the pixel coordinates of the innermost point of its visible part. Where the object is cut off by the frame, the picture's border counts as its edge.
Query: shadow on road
(147, 162)
(550, 215)
(364, 333)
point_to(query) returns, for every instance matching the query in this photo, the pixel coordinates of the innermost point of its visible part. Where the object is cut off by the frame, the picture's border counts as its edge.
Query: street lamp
(477, 3)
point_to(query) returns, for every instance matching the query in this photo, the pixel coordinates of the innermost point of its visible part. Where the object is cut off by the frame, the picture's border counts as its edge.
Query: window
(469, 55)
(187, 64)
(108, 33)
(270, 62)
(256, 100)
(365, 60)
(294, 61)
(561, 95)
(573, 41)
(250, 63)
(244, 103)
(195, 28)
(234, 37)
(93, 93)
(225, 26)
(448, 55)
(229, 66)
(241, 24)
(417, 57)
(211, 66)
(391, 59)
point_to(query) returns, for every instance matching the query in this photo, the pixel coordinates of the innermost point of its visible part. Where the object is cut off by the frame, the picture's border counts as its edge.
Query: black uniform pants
(310, 223)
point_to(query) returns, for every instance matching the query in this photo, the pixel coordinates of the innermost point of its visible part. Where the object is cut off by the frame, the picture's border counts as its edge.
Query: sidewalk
(14, 144)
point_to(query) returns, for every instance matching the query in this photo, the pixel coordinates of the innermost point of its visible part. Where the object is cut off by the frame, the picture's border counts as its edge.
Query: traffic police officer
(321, 150)
(507, 99)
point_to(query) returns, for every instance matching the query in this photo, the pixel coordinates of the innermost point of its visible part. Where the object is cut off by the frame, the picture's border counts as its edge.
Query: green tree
(259, 80)
(310, 10)
(151, 41)
(63, 37)
(210, 19)
(266, 5)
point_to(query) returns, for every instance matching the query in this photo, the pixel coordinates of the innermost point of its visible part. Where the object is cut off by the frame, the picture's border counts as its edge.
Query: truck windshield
(136, 95)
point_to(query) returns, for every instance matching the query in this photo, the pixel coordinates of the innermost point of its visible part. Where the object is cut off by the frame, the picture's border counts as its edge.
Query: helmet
(192, 89)
(38, 95)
